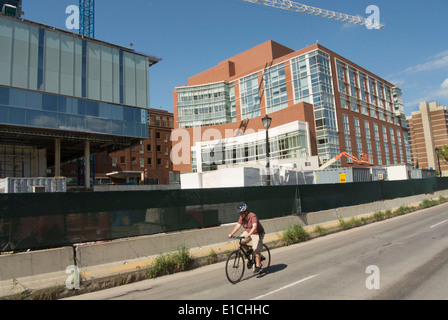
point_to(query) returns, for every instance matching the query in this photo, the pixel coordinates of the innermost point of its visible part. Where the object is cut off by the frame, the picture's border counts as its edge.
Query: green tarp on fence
(38, 220)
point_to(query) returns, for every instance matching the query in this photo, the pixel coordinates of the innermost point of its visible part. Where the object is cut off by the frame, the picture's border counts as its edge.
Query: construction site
(310, 131)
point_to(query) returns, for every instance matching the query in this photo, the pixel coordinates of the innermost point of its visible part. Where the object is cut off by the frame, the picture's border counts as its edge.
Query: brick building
(321, 104)
(428, 129)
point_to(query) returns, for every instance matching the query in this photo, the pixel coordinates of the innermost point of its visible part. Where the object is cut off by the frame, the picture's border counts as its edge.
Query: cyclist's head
(242, 208)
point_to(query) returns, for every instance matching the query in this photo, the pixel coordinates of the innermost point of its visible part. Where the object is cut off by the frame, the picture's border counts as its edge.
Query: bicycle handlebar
(239, 238)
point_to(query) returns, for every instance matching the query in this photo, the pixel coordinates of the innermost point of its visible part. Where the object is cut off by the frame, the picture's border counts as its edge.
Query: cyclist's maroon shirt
(250, 220)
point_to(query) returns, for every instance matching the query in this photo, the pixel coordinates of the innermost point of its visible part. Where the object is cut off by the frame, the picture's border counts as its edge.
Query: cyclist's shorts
(257, 240)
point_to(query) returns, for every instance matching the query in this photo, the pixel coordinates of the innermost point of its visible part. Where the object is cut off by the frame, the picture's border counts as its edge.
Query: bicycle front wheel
(235, 266)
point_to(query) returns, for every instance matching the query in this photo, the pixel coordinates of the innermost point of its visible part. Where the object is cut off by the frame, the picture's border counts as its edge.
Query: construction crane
(87, 18)
(302, 8)
(364, 158)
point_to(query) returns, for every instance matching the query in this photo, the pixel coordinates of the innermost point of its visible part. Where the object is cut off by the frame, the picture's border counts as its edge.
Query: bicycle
(235, 265)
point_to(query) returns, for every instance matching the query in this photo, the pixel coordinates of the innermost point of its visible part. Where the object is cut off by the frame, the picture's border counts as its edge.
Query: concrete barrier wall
(35, 269)
(47, 268)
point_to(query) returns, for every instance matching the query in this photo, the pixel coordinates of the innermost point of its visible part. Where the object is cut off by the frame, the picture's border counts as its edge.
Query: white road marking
(438, 223)
(282, 288)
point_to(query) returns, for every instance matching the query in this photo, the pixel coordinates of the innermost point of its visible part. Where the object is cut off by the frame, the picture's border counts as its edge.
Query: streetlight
(438, 160)
(266, 124)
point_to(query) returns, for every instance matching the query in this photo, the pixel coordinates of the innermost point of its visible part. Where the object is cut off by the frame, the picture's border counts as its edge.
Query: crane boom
(364, 158)
(302, 8)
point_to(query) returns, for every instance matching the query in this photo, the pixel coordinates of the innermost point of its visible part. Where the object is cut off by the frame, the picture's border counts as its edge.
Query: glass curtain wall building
(339, 90)
(57, 83)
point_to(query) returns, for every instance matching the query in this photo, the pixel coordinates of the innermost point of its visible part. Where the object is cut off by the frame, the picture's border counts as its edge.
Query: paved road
(401, 258)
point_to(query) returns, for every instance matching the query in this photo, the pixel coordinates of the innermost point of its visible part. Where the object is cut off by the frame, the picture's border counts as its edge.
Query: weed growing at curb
(320, 230)
(294, 234)
(170, 263)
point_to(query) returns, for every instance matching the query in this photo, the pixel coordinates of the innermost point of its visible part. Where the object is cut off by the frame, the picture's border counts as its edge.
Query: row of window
(359, 86)
(140, 161)
(391, 137)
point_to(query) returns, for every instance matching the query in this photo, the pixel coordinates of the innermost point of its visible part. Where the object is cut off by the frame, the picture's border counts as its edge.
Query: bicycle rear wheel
(266, 254)
(235, 266)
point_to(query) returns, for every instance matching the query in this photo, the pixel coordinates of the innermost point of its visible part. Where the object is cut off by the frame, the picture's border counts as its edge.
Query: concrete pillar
(87, 164)
(428, 135)
(57, 157)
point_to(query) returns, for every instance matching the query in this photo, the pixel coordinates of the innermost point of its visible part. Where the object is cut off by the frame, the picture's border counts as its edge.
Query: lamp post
(438, 160)
(266, 124)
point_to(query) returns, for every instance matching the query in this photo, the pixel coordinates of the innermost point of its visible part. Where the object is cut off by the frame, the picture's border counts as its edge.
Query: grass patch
(428, 203)
(379, 215)
(353, 222)
(294, 234)
(170, 263)
(320, 230)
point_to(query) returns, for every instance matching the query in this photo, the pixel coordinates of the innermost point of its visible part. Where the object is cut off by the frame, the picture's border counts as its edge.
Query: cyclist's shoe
(257, 269)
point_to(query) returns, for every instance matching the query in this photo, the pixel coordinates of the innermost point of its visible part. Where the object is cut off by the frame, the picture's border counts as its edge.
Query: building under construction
(65, 96)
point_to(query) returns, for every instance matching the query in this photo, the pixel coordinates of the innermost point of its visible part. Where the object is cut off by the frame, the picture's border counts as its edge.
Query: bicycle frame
(249, 254)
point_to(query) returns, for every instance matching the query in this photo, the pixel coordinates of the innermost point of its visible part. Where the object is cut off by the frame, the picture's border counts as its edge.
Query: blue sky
(411, 51)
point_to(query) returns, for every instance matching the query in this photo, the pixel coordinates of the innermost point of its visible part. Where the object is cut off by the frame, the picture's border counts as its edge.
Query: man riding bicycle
(254, 232)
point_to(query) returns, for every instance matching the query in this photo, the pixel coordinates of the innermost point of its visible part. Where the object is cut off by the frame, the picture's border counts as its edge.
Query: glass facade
(275, 88)
(49, 111)
(206, 105)
(289, 143)
(54, 80)
(311, 77)
(250, 99)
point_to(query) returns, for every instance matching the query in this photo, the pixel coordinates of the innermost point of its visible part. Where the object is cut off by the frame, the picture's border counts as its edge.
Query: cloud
(443, 91)
(437, 62)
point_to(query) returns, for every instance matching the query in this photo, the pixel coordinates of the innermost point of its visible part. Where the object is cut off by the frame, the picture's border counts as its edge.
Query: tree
(443, 153)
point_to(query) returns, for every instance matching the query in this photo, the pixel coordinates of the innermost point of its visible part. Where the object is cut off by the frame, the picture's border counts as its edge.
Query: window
(250, 101)
(275, 88)
(378, 144)
(386, 145)
(348, 146)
